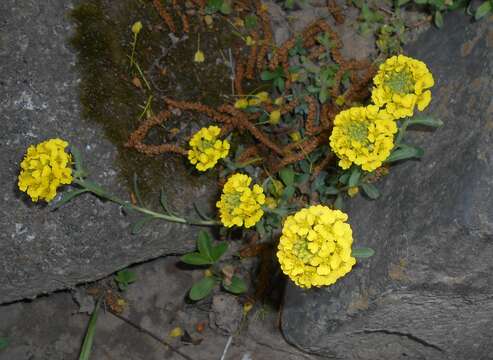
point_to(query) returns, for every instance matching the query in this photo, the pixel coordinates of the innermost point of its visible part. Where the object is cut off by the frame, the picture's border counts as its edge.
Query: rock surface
(428, 291)
(52, 327)
(43, 251)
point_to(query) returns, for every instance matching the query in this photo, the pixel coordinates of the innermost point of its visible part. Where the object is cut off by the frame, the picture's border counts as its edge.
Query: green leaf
(339, 203)
(267, 75)
(425, 120)
(204, 244)
(354, 177)
(421, 2)
(300, 179)
(4, 342)
(289, 4)
(483, 10)
(79, 167)
(219, 250)
(362, 253)
(331, 190)
(67, 196)
(195, 258)
(279, 83)
(287, 176)
(86, 349)
(225, 8)
(323, 95)
(202, 288)
(401, 2)
(237, 286)
(370, 190)
(404, 152)
(288, 192)
(137, 191)
(438, 18)
(250, 21)
(139, 224)
(126, 276)
(260, 227)
(164, 203)
(93, 187)
(344, 177)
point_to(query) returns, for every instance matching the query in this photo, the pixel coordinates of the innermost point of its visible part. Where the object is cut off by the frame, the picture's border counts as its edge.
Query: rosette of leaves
(209, 255)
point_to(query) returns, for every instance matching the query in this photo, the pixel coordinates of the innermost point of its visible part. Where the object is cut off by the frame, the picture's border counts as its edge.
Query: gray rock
(428, 291)
(226, 313)
(43, 251)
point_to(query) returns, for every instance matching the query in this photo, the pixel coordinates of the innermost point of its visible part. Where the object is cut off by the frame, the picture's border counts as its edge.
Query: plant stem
(133, 51)
(171, 218)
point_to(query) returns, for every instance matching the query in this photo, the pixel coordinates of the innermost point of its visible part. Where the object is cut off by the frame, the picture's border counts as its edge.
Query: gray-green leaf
(85, 352)
(404, 152)
(237, 286)
(4, 342)
(425, 120)
(362, 253)
(67, 196)
(438, 19)
(483, 10)
(354, 177)
(370, 190)
(204, 244)
(202, 288)
(219, 250)
(196, 258)
(288, 192)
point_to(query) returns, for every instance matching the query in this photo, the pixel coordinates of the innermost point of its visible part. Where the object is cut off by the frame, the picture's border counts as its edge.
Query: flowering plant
(311, 135)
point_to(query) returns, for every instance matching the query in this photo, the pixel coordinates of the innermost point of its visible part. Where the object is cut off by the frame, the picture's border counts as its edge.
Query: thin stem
(103, 194)
(133, 51)
(146, 108)
(142, 74)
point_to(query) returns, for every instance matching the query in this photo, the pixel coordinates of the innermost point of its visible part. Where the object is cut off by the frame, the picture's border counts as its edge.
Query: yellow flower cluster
(255, 100)
(45, 167)
(240, 205)
(315, 246)
(363, 136)
(400, 84)
(206, 149)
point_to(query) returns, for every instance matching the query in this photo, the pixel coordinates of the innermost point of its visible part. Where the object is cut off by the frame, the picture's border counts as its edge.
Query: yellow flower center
(358, 131)
(401, 82)
(300, 250)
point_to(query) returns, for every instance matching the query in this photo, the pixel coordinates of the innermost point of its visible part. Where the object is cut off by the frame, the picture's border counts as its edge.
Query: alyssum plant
(315, 246)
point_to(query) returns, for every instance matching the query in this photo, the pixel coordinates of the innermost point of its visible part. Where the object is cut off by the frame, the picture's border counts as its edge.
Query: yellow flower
(295, 136)
(270, 202)
(241, 104)
(249, 41)
(294, 76)
(259, 98)
(137, 27)
(206, 149)
(401, 84)
(363, 136)
(353, 191)
(199, 56)
(315, 246)
(240, 205)
(274, 117)
(279, 101)
(45, 167)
